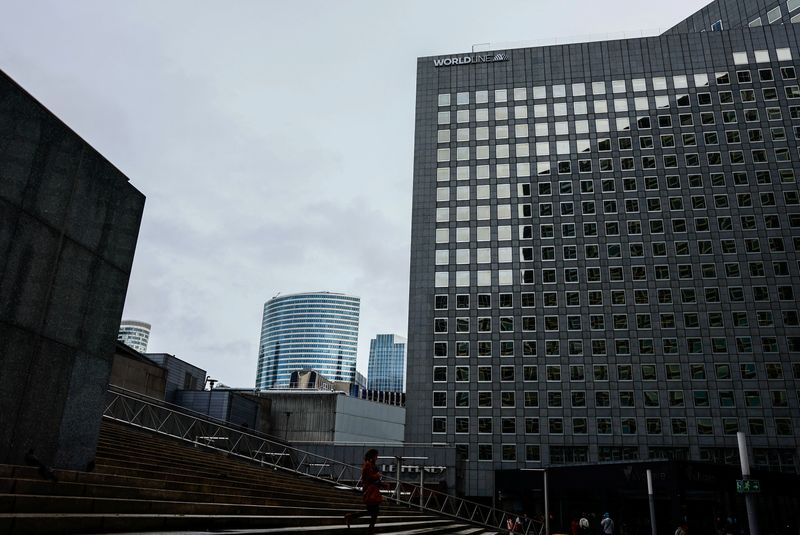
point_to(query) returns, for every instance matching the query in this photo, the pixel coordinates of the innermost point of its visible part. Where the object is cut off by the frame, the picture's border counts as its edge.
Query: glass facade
(387, 363)
(605, 246)
(316, 331)
(134, 334)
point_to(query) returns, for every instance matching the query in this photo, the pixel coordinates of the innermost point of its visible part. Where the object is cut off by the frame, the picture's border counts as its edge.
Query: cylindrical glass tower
(316, 331)
(134, 334)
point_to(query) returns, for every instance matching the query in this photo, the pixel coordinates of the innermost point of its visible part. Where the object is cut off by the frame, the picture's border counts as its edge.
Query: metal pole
(546, 505)
(399, 465)
(421, 483)
(749, 498)
(652, 500)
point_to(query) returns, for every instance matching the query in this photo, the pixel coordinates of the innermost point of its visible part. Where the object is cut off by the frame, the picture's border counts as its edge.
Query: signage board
(468, 60)
(746, 486)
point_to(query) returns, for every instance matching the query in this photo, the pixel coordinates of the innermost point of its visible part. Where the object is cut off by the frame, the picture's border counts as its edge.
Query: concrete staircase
(143, 482)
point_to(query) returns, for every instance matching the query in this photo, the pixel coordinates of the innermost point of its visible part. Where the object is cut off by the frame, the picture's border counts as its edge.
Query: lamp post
(399, 468)
(210, 382)
(546, 497)
(652, 501)
(749, 499)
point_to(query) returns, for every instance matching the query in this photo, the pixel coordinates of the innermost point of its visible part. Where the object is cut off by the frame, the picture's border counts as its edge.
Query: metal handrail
(177, 422)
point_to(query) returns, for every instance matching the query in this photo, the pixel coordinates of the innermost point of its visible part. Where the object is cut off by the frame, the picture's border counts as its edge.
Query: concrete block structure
(69, 221)
(301, 416)
(181, 375)
(133, 371)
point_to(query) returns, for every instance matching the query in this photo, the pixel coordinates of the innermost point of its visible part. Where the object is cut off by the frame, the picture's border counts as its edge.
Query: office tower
(604, 259)
(387, 363)
(134, 334)
(316, 330)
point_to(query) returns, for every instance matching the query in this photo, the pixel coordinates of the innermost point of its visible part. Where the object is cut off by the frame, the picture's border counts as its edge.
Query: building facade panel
(387, 363)
(731, 14)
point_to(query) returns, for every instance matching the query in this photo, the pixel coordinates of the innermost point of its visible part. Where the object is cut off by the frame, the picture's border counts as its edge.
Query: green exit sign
(745, 486)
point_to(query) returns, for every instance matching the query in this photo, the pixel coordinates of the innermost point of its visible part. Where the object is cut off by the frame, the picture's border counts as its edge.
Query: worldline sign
(468, 60)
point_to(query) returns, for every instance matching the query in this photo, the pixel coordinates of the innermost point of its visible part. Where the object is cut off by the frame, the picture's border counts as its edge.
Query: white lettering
(466, 60)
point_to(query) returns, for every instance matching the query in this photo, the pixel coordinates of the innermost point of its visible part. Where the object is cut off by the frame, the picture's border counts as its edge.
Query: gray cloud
(273, 141)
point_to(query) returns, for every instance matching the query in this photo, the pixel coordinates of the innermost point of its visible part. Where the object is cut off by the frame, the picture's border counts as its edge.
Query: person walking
(583, 524)
(372, 497)
(607, 524)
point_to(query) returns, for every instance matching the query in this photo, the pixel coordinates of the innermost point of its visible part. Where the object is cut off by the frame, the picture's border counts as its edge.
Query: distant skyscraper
(316, 330)
(387, 363)
(134, 334)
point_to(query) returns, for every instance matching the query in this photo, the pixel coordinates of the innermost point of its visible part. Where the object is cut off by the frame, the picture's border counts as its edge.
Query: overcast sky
(273, 140)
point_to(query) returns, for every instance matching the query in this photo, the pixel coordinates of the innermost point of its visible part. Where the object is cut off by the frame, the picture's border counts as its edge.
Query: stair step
(149, 483)
(444, 528)
(22, 503)
(49, 524)
(29, 476)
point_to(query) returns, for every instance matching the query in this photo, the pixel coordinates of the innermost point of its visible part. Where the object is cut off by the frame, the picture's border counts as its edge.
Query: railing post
(421, 484)
(399, 467)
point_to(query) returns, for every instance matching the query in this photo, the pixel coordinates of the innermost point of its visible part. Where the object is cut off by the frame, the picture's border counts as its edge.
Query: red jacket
(370, 480)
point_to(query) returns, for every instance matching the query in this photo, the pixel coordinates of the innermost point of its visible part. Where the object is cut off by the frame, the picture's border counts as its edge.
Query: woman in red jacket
(371, 483)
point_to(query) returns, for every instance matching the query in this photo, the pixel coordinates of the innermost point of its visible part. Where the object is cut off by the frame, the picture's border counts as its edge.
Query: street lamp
(210, 382)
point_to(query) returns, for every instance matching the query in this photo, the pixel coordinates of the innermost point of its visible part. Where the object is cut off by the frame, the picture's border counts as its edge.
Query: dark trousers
(372, 511)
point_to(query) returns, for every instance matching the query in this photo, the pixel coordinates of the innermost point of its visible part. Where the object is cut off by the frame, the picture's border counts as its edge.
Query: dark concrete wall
(69, 221)
(180, 374)
(138, 375)
(231, 407)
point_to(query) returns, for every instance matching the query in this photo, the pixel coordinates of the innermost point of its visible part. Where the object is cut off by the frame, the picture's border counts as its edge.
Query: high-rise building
(134, 334)
(605, 242)
(316, 331)
(387, 363)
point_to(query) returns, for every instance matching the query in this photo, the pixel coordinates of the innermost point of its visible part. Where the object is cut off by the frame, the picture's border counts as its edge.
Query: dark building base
(703, 494)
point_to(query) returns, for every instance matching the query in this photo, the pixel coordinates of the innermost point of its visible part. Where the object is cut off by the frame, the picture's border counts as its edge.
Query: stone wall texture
(69, 222)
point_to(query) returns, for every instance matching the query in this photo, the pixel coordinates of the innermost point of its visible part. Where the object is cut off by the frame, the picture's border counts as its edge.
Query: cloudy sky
(273, 140)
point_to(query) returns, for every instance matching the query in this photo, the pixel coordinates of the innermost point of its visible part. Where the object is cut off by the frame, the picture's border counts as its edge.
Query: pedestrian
(607, 524)
(574, 527)
(372, 497)
(683, 529)
(583, 524)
